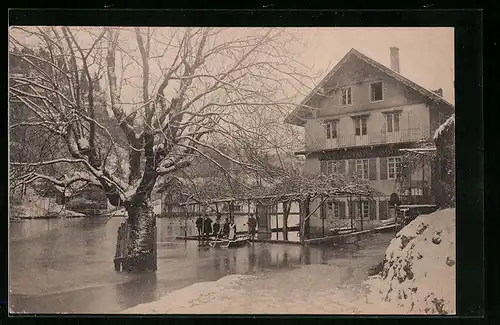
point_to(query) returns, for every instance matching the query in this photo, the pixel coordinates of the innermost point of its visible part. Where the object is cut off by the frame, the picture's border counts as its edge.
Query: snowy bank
(39, 208)
(198, 298)
(305, 290)
(418, 276)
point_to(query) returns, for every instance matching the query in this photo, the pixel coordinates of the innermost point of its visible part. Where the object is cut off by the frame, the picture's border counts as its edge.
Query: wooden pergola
(294, 188)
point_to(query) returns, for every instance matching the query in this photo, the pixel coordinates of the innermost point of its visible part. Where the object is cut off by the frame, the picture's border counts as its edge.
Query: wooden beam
(316, 209)
(337, 237)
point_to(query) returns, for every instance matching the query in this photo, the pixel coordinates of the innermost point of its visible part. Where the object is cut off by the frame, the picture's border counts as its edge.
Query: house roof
(445, 127)
(300, 113)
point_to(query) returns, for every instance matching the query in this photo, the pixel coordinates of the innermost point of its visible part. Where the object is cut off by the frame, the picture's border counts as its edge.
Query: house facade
(356, 120)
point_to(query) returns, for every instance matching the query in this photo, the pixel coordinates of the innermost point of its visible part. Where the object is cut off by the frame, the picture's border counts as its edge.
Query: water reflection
(305, 256)
(141, 288)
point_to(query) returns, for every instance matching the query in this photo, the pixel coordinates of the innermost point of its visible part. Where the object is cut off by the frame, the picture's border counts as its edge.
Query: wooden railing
(373, 138)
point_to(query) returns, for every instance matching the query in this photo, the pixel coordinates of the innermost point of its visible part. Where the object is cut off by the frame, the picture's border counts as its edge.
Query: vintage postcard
(208, 170)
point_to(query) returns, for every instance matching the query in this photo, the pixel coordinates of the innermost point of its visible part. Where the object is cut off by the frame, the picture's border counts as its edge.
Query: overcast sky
(426, 55)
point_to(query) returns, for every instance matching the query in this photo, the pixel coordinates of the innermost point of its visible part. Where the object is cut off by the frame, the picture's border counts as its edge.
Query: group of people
(206, 228)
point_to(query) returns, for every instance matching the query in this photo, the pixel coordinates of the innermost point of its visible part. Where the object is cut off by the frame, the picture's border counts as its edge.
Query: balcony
(320, 142)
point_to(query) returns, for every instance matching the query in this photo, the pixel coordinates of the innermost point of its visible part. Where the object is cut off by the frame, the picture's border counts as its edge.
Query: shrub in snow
(83, 143)
(418, 276)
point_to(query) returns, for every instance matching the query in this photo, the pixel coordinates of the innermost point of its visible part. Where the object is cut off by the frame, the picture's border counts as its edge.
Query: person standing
(232, 231)
(252, 224)
(207, 227)
(225, 229)
(199, 226)
(216, 227)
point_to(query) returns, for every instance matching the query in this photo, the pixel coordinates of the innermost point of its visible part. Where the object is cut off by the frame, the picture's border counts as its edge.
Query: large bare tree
(172, 92)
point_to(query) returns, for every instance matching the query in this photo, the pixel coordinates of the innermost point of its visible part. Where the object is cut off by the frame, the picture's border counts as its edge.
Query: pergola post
(277, 217)
(302, 219)
(322, 212)
(231, 211)
(351, 212)
(361, 211)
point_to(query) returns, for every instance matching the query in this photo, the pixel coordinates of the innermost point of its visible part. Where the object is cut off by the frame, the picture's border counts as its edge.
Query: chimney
(394, 58)
(439, 92)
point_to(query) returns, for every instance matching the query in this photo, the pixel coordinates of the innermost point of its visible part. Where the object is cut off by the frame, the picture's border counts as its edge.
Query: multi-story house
(356, 120)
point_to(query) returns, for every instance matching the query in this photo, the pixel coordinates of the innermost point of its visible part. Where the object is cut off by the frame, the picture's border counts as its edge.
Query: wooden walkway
(338, 239)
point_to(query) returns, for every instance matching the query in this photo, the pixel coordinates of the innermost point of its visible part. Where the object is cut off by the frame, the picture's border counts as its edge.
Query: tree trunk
(142, 245)
(286, 212)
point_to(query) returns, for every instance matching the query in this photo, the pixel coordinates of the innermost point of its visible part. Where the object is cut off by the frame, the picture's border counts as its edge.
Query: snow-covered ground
(419, 271)
(39, 207)
(418, 277)
(281, 293)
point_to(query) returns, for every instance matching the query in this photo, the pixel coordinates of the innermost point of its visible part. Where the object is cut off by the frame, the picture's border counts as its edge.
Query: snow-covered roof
(301, 111)
(420, 150)
(445, 126)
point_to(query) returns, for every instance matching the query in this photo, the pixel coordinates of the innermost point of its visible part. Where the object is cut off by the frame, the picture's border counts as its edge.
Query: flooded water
(65, 265)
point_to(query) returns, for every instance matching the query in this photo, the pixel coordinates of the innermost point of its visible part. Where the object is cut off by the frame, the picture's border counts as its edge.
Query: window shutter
(352, 166)
(372, 206)
(383, 210)
(342, 210)
(340, 166)
(396, 122)
(373, 169)
(352, 212)
(383, 167)
(323, 167)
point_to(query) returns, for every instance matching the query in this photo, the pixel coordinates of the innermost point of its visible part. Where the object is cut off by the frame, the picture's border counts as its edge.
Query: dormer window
(376, 92)
(346, 96)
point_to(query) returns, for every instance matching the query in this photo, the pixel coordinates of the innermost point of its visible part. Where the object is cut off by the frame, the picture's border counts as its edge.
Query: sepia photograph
(230, 170)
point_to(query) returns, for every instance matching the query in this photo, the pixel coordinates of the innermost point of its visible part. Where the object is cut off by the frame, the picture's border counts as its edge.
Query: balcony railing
(374, 138)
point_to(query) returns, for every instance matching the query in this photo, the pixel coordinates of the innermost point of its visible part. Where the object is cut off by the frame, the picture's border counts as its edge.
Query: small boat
(226, 243)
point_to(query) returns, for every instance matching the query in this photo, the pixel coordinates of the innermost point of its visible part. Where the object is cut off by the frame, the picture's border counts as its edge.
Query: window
(365, 211)
(393, 167)
(362, 168)
(331, 129)
(392, 122)
(346, 96)
(329, 167)
(333, 209)
(360, 125)
(417, 191)
(376, 93)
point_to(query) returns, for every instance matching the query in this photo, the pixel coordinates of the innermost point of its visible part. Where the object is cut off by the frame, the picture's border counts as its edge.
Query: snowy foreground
(418, 277)
(419, 271)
